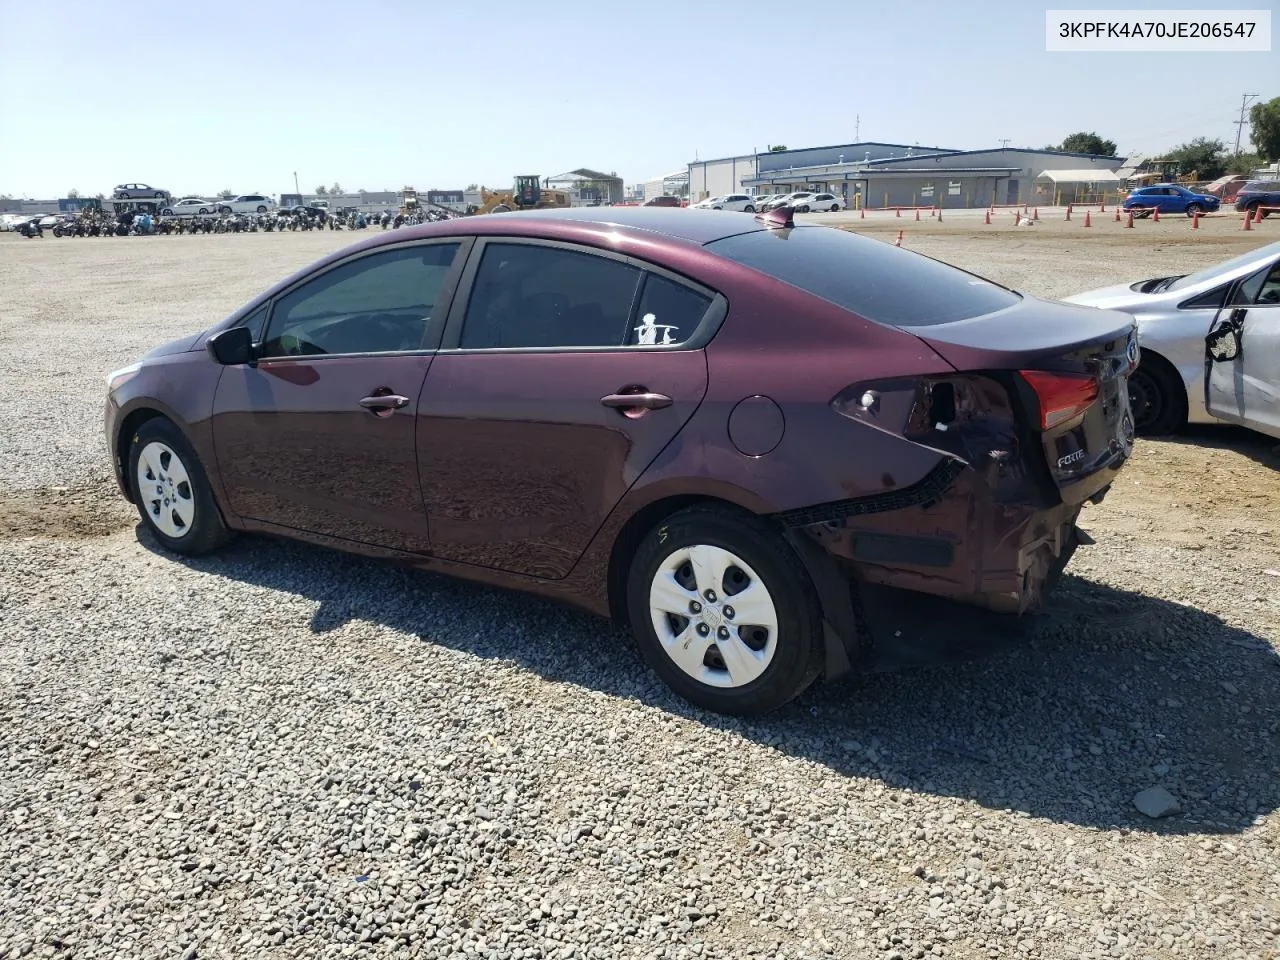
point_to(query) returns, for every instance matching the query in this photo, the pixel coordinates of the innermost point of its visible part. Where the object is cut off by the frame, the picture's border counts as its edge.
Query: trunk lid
(1066, 369)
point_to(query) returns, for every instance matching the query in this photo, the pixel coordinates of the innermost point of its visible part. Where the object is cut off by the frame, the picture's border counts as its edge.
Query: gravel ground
(284, 752)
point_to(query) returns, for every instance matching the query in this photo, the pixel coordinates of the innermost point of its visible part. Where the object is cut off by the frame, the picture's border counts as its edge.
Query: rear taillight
(1063, 396)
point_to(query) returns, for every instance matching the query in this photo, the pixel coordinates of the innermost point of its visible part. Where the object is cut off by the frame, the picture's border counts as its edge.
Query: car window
(870, 278)
(374, 304)
(1261, 289)
(669, 313)
(257, 322)
(527, 295)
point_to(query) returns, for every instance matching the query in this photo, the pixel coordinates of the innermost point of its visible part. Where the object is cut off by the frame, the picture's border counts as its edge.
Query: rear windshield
(871, 278)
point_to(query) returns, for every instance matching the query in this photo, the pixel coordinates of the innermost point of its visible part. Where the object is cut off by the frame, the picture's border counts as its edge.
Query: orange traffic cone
(1068, 211)
(1257, 214)
(1129, 221)
(1195, 221)
(986, 218)
(1035, 214)
(917, 214)
(1155, 215)
(1087, 221)
(897, 211)
(898, 242)
(1248, 222)
(1102, 206)
(1117, 214)
(862, 213)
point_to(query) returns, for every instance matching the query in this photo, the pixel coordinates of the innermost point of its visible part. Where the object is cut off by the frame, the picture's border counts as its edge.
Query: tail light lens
(1063, 396)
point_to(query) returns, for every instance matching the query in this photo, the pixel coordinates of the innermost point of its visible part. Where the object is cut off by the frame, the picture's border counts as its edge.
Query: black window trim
(435, 326)
(702, 334)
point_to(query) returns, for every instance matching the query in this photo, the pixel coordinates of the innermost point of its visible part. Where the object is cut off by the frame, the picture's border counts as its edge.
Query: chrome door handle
(647, 401)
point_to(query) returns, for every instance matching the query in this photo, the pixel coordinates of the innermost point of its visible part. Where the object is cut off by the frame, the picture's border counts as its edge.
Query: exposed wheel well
(644, 520)
(128, 427)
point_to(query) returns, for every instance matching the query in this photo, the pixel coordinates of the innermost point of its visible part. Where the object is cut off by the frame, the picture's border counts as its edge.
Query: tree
(73, 193)
(336, 188)
(100, 196)
(778, 148)
(1201, 157)
(321, 190)
(1083, 142)
(226, 193)
(473, 186)
(1264, 128)
(1244, 163)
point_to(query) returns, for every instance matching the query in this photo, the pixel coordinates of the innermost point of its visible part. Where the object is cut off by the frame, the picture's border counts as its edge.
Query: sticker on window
(647, 332)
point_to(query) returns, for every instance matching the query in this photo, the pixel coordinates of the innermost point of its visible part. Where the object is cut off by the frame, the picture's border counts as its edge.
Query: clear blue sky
(196, 96)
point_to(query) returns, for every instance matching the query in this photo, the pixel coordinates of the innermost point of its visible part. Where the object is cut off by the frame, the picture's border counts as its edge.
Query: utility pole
(1004, 143)
(857, 128)
(1244, 105)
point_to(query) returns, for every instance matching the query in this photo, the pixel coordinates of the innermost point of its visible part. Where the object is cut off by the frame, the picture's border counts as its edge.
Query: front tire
(1193, 209)
(723, 611)
(172, 491)
(1158, 398)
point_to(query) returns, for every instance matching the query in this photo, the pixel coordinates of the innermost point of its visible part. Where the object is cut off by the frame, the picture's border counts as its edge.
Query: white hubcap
(713, 616)
(165, 490)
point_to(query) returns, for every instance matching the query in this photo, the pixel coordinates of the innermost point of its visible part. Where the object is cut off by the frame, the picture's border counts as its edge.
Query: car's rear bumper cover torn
(962, 551)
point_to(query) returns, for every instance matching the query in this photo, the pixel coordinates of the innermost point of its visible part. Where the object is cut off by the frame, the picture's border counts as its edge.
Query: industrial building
(588, 187)
(675, 184)
(892, 175)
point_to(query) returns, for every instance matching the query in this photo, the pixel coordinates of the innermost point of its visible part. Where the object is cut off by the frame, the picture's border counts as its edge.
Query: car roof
(682, 224)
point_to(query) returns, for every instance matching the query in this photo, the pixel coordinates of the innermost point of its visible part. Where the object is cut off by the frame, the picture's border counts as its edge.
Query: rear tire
(741, 662)
(1158, 398)
(835, 208)
(171, 490)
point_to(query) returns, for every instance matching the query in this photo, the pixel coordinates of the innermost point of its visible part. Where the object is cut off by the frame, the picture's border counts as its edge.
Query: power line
(1244, 103)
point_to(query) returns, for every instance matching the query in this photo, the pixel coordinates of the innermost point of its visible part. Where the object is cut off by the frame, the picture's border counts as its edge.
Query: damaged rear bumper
(958, 556)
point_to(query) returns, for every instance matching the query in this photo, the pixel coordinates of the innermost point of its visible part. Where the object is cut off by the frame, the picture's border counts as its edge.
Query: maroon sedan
(761, 445)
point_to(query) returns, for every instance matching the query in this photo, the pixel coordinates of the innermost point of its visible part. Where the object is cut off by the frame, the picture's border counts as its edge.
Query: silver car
(138, 191)
(1238, 301)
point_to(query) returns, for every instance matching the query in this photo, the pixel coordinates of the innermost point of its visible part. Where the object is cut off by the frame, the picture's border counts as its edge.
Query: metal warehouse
(901, 175)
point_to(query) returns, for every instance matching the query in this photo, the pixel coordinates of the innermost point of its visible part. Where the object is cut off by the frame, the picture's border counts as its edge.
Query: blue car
(1258, 193)
(1169, 198)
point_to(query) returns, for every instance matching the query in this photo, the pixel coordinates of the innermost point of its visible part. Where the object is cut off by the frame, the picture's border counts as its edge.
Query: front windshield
(1226, 267)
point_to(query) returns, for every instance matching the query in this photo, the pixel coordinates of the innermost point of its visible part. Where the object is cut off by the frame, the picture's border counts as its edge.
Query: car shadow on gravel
(1105, 694)
(1256, 446)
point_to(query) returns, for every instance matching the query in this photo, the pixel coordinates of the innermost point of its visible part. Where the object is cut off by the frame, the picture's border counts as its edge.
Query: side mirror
(1223, 344)
(232, 346)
